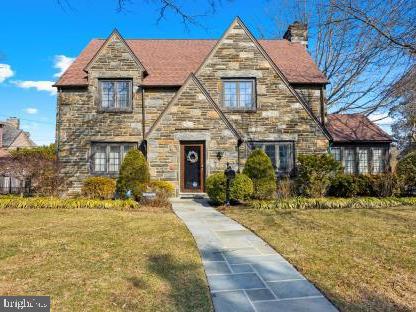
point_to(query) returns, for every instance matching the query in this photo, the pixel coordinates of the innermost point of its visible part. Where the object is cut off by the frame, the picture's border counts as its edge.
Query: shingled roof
(354, 128)
(169, 62)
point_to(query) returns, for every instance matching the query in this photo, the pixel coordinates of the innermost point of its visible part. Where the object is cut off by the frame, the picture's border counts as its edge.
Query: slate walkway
(244, 273)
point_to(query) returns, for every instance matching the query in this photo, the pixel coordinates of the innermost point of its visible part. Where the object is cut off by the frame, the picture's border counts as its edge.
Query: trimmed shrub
(98, 188)
(134, 174)
(364, 185)
(315, 173)
(165, 187)
(260, 170)
(343, 185)
(215, 187)
(406, 173)
(163, 190)
(241, 188)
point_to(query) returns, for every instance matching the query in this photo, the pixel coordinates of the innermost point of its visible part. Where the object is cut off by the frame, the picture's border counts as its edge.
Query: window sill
(119, 111)
(238, 111)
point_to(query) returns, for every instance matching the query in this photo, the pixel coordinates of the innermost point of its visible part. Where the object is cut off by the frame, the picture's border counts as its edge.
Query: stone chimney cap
(14, 121)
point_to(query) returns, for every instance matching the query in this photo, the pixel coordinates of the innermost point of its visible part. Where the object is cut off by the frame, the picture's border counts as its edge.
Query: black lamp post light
(230, 175)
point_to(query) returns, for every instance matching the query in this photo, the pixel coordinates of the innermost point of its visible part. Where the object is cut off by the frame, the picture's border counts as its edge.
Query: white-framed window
(363, 160)
(349, 160)
(115, 95)
(239, 94)
(336, 153)
(378, 163)
(281, 155)
(106, 158)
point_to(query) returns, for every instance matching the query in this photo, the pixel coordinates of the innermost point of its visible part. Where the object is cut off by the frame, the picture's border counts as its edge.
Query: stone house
(12, 137)
(191, 106)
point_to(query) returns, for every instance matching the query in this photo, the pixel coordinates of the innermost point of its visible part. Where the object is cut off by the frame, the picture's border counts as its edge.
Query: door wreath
(192, 157)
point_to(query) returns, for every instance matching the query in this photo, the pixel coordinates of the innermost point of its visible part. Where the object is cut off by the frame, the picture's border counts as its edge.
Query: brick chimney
(14, 121)
(297, 32)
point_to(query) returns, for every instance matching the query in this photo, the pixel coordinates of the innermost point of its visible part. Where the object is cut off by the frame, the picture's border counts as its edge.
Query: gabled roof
(193, 78)
(10, 134)
(355, 128)
(114, 34)
(169, 62)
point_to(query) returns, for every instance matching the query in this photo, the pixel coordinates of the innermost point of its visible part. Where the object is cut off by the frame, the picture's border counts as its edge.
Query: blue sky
(40, 38)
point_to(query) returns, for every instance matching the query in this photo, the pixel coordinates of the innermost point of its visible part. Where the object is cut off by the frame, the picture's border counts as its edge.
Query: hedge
(15, 202)
(334, 203)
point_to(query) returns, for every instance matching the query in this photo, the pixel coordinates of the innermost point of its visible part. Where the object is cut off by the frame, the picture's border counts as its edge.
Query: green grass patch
(102, 260)
(362, 259)
(333, 203)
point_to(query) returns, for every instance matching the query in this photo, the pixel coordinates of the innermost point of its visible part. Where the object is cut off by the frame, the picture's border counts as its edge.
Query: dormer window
(239, 94)
(115, 95)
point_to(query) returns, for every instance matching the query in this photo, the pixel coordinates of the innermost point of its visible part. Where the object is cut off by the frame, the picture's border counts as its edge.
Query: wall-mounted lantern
(219, 155)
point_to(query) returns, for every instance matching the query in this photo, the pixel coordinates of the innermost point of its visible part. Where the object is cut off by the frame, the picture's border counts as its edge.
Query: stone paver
(243, 272)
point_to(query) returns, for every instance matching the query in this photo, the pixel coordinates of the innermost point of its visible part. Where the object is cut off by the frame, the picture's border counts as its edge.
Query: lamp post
(230, 175)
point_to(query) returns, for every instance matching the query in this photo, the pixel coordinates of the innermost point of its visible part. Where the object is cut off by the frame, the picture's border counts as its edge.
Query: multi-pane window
(115, 94)
(280, 154)
(106, 158)
(239, 94)
(363, 161)
(349, 160)
(336, 153)
(378, 160)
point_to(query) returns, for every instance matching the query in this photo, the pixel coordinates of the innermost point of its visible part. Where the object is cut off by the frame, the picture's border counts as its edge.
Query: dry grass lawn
(102, 260)
(363, 260)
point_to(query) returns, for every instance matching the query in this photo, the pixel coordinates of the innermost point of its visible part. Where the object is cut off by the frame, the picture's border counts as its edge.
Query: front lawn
(362, 259)
(101, 260)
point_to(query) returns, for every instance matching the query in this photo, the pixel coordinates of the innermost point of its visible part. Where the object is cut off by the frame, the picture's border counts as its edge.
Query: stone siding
(190, 118)
(155, 100)
(278, 114)
(82, 121)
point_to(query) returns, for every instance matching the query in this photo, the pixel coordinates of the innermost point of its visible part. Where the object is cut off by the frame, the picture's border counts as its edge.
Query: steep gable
(114, 54)
(280, 114)
(193, 88)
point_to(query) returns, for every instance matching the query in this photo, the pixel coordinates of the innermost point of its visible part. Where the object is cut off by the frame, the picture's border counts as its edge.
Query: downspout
(143, 144)
(239, 143)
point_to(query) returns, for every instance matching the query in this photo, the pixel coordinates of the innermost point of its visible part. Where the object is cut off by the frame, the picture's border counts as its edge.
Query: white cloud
(38, 85)
(381, 118)
(31, 110)
(5, 72)
(62, 62)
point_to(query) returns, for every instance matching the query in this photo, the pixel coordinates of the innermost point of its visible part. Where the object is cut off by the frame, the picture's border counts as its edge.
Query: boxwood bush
(241, 188)
(260, 170)
(134, 174)
(215, 187)
(98, 188)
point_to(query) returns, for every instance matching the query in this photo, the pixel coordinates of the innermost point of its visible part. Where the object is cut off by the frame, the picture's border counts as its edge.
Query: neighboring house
(191, 106)
(12, 137)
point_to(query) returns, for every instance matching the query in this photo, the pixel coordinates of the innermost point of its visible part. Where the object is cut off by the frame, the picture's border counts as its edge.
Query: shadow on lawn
(189, 291)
